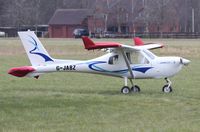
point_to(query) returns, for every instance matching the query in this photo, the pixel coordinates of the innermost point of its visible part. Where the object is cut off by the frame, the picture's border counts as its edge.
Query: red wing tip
(138, 41)
(162, 45)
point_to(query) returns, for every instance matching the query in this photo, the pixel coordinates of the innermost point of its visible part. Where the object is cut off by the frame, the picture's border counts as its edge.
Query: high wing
(90, 45)
(138, 42)
(139, 45)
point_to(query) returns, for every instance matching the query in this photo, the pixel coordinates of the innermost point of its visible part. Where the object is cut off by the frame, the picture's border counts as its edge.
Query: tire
(167, 89)
(135, 89)
(125, 90)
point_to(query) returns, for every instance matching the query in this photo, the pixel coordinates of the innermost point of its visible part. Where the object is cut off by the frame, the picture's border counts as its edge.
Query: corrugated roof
(69, 16)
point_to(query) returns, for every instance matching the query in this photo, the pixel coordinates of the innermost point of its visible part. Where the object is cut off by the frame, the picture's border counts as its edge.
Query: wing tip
(88, 43)
(138, 41)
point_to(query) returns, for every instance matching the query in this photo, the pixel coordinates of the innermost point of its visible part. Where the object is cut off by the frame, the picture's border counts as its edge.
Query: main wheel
(135, 89)
(125, 90)
(167, 89)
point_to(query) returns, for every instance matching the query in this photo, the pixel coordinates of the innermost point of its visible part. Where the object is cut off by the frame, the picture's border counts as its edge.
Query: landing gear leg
(125, 89)
(167, 88)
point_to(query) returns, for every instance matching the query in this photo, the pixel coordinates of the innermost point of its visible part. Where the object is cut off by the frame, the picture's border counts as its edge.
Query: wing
(90, 45)
(138, 42)
(151, 46)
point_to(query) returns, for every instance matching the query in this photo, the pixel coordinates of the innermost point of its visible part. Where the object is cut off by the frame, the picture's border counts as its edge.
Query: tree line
(186, 13)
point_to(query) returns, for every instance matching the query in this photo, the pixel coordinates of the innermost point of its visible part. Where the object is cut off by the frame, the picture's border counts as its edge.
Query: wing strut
(127, 63)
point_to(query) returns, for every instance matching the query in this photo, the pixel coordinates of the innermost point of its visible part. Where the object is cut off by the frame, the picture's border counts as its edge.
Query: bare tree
(160, 13)
(2, 12)
(177, 14)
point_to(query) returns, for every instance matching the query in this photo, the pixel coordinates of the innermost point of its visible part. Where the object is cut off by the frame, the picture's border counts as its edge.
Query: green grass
(85, 102)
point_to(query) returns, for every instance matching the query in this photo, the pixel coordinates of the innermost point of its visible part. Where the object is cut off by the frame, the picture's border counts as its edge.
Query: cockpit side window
(113, 60)
(136, 58)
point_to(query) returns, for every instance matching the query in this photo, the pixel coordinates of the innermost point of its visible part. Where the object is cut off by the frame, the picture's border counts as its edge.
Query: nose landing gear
(167, 88)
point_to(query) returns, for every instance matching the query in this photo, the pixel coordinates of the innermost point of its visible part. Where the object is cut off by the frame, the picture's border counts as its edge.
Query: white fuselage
(147, 66)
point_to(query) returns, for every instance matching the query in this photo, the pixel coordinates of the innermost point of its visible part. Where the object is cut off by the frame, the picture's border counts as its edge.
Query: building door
(57, 32)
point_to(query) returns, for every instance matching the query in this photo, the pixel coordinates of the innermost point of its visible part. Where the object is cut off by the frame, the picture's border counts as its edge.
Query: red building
(64, 21)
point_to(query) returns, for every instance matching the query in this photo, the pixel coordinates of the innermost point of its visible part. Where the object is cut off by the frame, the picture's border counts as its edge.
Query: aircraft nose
(184, 61)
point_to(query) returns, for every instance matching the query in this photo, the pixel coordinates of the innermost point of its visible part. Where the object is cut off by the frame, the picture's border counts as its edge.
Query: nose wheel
(126, 89)
(167, 88)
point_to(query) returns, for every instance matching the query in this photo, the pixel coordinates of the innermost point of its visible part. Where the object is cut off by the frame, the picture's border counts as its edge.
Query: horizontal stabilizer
(21, 71)
(89, 44)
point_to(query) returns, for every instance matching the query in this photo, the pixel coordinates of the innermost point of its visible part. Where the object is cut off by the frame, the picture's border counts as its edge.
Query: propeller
(184, 61)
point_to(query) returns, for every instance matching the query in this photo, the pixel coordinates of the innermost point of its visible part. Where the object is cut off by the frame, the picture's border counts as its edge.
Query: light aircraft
(125, 61)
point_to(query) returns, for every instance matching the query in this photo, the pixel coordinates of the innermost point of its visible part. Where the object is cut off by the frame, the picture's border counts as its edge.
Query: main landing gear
(167, 88)
(134, 89)
(126, 89)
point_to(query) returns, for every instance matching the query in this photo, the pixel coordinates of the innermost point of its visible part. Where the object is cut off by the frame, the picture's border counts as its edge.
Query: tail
(34, 48)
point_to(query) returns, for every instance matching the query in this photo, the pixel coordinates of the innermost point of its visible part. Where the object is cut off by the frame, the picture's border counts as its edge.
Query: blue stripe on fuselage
(93, 66)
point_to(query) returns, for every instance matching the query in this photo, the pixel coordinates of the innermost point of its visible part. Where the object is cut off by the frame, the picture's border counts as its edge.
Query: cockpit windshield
(149, 54)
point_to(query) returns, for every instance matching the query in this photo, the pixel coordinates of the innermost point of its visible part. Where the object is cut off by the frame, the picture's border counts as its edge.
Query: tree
(116, 13)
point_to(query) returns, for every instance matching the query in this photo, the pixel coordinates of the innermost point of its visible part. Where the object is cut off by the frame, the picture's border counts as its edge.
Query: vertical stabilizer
(34, 48)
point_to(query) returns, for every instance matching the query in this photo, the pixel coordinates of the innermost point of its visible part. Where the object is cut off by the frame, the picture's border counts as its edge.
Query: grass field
(76, 102)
